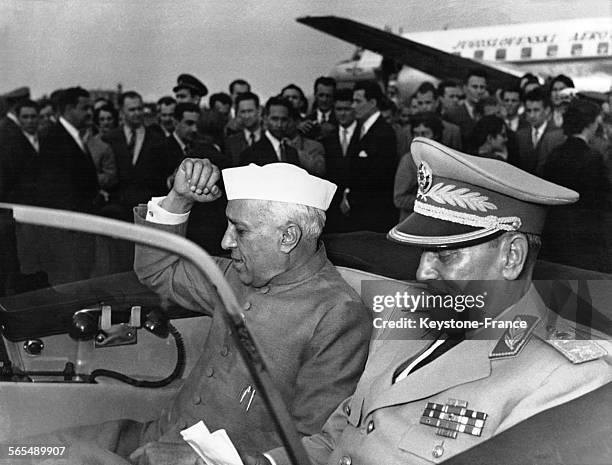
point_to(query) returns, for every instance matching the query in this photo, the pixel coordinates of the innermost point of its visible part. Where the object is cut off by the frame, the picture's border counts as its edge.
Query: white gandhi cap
(279, 182)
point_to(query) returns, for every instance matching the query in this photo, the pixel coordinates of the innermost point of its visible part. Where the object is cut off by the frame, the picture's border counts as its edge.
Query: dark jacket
(576, 234)
(67, 176)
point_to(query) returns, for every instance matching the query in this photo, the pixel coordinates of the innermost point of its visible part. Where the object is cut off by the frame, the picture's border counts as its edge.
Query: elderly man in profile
(428, 394)
(311, 326)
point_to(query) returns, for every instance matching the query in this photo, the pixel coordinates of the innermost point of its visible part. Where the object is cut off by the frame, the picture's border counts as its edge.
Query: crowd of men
(106, 157)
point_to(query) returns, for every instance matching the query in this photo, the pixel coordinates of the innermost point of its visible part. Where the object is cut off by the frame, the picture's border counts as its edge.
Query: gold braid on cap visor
(498, 223)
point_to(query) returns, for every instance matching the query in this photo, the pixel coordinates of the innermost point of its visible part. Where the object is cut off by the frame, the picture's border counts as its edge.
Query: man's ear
(514, 254)
(290, 237)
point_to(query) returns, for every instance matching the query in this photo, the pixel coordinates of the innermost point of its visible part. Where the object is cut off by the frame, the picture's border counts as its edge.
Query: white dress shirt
(367, 124)
(74, 133)
(159, 215)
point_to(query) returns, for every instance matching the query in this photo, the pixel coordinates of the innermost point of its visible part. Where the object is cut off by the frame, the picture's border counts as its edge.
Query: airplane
(579, 48)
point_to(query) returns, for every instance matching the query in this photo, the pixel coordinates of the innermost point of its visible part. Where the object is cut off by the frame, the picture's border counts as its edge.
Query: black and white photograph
(370, 232)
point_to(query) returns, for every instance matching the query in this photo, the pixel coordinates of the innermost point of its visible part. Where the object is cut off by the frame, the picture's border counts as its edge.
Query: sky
(146, 44)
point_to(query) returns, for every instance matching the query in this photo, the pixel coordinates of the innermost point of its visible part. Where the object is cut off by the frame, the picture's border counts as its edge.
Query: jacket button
(347, 410)
(197, 400)
(224, 351)
(370, 427)
(247, 306)
(346, 460)
(209, 372)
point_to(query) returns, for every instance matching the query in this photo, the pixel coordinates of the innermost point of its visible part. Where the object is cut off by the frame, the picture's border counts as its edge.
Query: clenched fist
(195, 181)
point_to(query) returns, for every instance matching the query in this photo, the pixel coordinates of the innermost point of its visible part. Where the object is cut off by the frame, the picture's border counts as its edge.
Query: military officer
(432, 394)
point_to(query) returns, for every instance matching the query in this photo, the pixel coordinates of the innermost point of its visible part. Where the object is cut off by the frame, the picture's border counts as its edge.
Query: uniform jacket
(147, 178)
(67, 176)
(262, 152)
(380, 423)
(372, 168)
(532, 159)
(311, 326)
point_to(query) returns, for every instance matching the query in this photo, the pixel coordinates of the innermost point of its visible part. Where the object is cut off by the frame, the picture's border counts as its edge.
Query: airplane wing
(430, 60)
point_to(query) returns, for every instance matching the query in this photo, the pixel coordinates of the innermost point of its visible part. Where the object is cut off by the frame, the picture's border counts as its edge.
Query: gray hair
(311, 220)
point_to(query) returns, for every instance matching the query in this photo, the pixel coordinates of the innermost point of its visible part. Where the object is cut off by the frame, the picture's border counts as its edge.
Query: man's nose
(228, 241)
(426, 270)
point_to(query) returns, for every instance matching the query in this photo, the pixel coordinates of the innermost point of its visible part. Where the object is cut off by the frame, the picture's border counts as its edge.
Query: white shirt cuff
(269, 457)
(156, 214)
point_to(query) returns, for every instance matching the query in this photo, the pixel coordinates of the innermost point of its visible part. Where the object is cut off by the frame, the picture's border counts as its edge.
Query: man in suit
(511, 103)
(426, 100)
(369, 194)
(67, 176)
(273, 146)
(248, 115)
(427, 395)
(18, 156)
(141, 158)
(339, 147)
(321, 122)
(9, 125)
(67, 180)
(536, 142)
(467, 114)
(165, 116)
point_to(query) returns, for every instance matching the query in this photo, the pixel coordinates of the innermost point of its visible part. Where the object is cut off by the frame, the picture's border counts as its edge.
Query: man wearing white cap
(310, 324)
(436, 391)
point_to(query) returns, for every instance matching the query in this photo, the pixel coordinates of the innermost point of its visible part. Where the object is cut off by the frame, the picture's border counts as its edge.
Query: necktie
(251, 138)
(534, 136)
(344, 141)
(131, 144)
(283, 150)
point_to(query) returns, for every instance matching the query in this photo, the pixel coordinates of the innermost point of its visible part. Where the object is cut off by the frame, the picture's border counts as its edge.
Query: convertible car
(82, 341)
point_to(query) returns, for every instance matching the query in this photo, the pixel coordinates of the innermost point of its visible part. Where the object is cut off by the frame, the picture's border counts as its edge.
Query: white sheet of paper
(215, 449)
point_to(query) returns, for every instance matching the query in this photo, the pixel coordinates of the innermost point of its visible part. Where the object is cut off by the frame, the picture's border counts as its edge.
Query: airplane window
(478, 54)
(552, 50)
(576, 50)
(526, 52)
(602, 48)
(500, 54)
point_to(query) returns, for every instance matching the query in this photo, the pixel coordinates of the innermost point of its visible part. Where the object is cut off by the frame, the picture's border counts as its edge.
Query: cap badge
(452, 418)
(424, 178)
